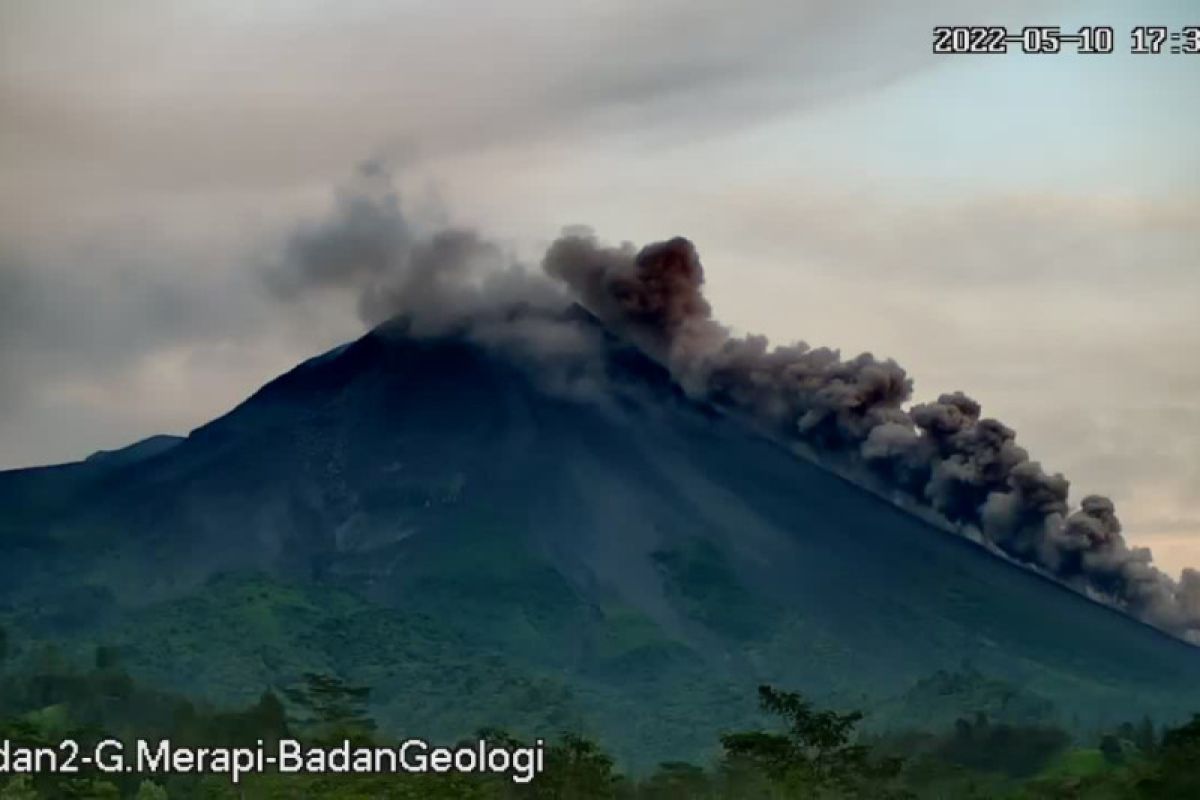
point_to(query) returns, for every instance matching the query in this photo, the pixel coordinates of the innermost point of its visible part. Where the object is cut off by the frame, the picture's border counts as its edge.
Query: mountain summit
(445, 519)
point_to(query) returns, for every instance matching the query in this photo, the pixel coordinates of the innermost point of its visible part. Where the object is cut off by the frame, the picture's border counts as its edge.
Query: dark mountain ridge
(641, 559)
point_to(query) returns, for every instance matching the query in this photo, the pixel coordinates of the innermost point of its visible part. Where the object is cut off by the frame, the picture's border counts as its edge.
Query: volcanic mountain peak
(630, 544)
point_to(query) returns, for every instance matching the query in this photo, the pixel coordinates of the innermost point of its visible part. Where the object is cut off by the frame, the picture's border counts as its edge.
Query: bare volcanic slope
(453, 521)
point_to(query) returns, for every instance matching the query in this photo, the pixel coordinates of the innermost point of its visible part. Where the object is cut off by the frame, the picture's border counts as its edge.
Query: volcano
(429, 516)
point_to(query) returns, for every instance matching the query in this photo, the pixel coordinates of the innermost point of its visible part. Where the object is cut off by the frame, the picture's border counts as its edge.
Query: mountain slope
(650, 558)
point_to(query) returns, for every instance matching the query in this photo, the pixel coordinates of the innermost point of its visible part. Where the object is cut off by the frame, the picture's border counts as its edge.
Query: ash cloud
(855, 414)
(450, 280)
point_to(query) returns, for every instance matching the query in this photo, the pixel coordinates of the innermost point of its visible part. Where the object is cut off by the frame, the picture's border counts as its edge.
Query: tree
(676, 781)
(19, 787)
(1144, 737)
(815, 753)
(1110, 748)
(1176, 771)
(149, 790)
(107, 658)
(268, 718)
(1015, 750)
(576, 769)
(334, 709)
(88, 789)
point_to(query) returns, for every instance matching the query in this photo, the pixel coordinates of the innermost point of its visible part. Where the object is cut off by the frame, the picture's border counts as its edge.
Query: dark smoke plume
(941, 455)
(443, 281)
(438, 279)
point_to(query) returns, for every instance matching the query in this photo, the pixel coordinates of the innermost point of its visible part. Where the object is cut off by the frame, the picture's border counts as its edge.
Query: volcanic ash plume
(942, 455)
(447, 280)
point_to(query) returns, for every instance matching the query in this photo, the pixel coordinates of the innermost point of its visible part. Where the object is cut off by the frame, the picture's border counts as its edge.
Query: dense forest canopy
(799, 750)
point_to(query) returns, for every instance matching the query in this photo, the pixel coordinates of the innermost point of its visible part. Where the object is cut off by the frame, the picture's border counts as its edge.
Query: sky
(1024, 228)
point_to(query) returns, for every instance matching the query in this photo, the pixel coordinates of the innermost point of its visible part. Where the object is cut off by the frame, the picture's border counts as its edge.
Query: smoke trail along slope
(942, 454)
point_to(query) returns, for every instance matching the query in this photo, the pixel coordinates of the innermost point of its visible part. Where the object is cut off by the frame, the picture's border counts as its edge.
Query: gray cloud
(13, 308)
(1006, 238)
(439, 281)
(161, 97)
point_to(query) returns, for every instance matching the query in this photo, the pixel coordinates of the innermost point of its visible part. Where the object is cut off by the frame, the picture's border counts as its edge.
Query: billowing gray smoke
(854, 415)
(440, 281)
(941, 455)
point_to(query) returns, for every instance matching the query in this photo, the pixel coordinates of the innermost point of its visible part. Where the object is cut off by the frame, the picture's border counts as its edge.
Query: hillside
(427, 517)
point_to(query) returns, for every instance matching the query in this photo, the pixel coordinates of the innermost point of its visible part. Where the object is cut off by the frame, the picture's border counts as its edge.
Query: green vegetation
(641, 695)
(699, 578)
(245, 632)
(800, 751)
(439, 665)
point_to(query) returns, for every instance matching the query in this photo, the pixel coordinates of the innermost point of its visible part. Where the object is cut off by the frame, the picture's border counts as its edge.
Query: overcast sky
(1024, 228)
